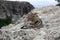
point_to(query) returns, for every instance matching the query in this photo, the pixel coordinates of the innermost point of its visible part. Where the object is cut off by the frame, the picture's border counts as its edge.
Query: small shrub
(6, 21)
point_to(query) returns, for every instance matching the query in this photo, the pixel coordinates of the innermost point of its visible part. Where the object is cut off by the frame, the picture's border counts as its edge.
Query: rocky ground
(43, 24)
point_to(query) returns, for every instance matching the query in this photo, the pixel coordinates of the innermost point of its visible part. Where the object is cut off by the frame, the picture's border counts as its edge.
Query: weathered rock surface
(15, 9)
(50, 17)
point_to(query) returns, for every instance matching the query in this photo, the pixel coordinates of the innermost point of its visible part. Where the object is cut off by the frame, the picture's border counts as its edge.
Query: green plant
(6, 21)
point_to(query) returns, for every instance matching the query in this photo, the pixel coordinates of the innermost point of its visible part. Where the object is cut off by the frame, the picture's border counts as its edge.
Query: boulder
(14, 10)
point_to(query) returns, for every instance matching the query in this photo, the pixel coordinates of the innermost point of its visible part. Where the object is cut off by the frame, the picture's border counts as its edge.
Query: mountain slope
(50, 17)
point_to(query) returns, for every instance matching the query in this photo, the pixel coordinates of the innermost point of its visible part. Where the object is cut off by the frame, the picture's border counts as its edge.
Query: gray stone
(14, 9)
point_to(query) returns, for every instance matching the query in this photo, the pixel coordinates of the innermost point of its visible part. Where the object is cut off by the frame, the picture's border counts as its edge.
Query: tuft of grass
(6, 21)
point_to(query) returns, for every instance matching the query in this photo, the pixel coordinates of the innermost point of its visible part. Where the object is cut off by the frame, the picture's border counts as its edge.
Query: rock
(50, 17)
(50, 31)
(14, 9)
(24, 34)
